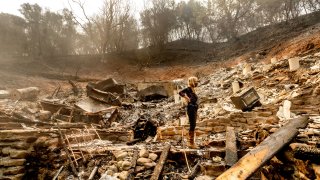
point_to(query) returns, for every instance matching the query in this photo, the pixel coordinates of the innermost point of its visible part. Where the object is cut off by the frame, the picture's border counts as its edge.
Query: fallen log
(258, 156)
(159, 167)
(231, 147)
(29, 93)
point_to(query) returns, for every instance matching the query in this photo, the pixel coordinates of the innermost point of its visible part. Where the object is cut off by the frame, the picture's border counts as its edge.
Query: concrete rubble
(116, 131)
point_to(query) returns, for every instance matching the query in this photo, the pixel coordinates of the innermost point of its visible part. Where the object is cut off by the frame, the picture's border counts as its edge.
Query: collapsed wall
(29, 154)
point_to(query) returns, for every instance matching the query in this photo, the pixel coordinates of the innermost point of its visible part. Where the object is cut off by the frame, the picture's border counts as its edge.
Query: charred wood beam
(258, 156)
(231, 147)
(162, 160)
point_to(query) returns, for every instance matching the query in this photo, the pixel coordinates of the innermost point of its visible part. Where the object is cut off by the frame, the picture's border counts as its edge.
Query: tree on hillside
(48, 33)
(190, 18)
(32, 15)
(231, 15)
(12, 36)
(112, 30)
(157, 22)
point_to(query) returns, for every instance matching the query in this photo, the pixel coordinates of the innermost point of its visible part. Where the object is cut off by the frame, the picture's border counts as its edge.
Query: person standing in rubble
(191, 98)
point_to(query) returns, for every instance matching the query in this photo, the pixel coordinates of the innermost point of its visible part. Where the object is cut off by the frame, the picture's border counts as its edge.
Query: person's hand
(187, 99)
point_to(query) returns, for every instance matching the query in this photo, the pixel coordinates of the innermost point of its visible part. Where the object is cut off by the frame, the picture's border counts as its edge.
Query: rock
(120, 155)
(140, 168)
(126, 165)
(246, 69)
(15, 154)
(13, 170)
(113, 168)
(102, 169)
(217, 159)
(13, 177)
(105, 176)
(204, 178)
(235, 86)
(150, 165)
(294, 64)
(44, 115)
(109, 172)
(119, 164)
(4, 94)
(6, 150)
(144, 153)
(153, 156)
(272, 130)
(6, 161)
(286, 109)
(123, 175)
(290, 87)
(274, 60)
(142, 161)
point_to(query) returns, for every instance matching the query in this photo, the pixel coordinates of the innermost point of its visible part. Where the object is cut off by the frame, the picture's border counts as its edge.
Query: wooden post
(231, 147)
(259, 155)
(159, 167)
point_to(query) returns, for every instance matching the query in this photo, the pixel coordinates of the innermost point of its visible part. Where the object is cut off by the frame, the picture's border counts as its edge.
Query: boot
(191, 144)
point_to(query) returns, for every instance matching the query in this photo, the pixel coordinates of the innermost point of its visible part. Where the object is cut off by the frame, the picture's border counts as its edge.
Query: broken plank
(159, 167)
(258, 156)
(231, 147)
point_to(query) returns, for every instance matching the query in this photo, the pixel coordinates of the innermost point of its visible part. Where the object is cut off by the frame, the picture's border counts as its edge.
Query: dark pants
(192, 114)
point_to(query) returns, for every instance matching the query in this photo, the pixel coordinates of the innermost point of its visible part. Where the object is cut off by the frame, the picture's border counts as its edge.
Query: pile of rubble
(126, 131)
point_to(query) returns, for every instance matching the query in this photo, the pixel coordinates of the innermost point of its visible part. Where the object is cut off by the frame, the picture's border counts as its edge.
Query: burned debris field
(189, 90)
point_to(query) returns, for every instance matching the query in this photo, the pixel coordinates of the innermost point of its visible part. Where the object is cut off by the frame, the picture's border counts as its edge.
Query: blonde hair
(193, 82)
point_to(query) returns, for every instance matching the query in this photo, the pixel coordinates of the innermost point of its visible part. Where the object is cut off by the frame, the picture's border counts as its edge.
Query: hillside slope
(180, 59)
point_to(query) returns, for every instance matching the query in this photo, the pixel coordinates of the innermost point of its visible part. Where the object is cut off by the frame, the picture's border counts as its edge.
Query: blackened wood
(258, 156)
(162, 160)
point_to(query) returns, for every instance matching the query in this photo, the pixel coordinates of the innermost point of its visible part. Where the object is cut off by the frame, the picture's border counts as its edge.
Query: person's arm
(183, 94)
